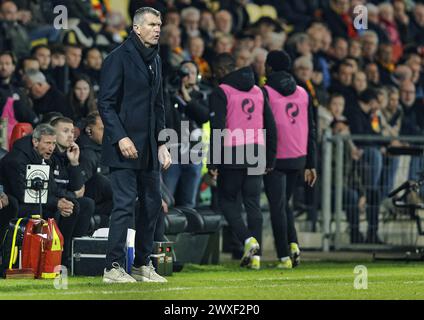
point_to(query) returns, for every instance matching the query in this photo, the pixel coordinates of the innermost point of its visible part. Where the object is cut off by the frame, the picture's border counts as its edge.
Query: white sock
(284, 259)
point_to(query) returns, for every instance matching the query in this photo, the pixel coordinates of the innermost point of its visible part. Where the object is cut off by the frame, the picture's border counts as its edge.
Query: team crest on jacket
(292, 111)
(248, 107)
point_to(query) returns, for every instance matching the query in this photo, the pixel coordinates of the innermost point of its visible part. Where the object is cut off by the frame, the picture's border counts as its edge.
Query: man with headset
(185, 113)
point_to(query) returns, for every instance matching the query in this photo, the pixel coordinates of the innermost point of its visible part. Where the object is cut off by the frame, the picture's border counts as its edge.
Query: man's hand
(213, 173)
(311, 176)
(65, 207)
(362, 204)
(127, 148)
(164, 157)
(73, 154)
(80, 192)
(4, 201)
(165, 207)
(24, 16)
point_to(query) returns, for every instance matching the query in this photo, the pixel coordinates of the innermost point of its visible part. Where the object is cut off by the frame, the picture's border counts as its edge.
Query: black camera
(37, 184)
(175, 82)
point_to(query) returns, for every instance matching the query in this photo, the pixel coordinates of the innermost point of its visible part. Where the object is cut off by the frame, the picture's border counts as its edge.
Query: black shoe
(374, 239)
(357, 237)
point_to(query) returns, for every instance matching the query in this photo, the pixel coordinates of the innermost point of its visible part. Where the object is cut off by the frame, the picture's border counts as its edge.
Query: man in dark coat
(132, 111)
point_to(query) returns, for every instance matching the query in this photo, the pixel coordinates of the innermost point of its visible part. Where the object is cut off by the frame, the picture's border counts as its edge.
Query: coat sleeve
(271, 134)
(218, 115)
(111, 79)
(159, 107)
(311, 158)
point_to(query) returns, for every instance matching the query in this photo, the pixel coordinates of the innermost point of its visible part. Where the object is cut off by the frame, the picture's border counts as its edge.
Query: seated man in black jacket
(97, 184)
(66, 167)
(61, 204)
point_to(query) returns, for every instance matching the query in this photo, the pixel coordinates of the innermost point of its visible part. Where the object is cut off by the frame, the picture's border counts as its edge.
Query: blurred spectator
(239, 14)
(43, 54)
(393, 30)
(93, 61)
(46, 98)
(243, 58)
(339, 20)
(112, 33)
(411, 109)
(172, 17)
(171, 51)
(258, 65)
(374, 23)
(385, 62)
(13, 35)
(299, 13)
(190, 19)
(402, 72)
(299, 45)
(355, 49)
(224, 43)
(207, 25)
(224, 22)
(373, 74)
(58, 57)
(274, 41)
(97, 184)
(196, 48)
(12, 94)
(340, 49)
(81, 100)
(416, 26)
(65, 75)
(369, 40)
(342, 83)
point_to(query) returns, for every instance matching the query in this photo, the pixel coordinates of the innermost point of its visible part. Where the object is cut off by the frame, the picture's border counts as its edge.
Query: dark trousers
(99, 189)
(279, 187)
(127, 184)
(232, 182)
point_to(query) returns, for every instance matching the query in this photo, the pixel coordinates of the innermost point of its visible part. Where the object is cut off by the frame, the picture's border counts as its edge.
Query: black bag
(12, 244)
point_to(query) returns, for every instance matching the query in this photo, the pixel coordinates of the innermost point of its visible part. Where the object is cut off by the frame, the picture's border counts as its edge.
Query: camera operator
(37, 149)
(186, 105)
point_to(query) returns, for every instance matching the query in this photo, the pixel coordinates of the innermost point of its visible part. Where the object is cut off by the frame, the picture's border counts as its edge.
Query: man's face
(95, 132)
(94, 60)
(45, 146)
(197, 47)
(30, 65)
(73, 57)
(65, 134)
(345, 75)
(149, 31)
(341, 49)
(244, 59)
(43, 56)
(6, 66)
(407, 94)
(191, 79)
(303, 72)
(9, 11)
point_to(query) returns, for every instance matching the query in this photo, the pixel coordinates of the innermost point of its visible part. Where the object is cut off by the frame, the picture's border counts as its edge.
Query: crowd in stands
(361, 81)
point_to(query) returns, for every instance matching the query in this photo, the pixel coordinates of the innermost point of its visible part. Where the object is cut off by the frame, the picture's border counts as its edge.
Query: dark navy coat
(131, 105)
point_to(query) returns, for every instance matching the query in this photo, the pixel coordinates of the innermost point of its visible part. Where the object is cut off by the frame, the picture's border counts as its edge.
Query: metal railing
(336, 181)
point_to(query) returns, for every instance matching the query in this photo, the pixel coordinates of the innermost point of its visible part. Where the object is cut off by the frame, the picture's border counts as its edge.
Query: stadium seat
(20, 130)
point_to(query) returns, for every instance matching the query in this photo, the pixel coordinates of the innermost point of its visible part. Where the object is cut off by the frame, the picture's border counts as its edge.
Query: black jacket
(285, 84)
(53, 100)
(90, 159)
(67, 177)
(13, 173)
(130, 103)
(242, 80)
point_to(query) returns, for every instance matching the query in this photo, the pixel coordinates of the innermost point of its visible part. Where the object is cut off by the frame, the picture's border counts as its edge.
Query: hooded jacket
(90, 159)
(242, 80)
(285, 85)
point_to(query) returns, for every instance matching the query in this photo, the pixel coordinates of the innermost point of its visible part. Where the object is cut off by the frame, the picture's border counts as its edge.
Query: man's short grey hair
(190, 11)
(36, 76)
(303, 62)
(43, 129)
(140, 13)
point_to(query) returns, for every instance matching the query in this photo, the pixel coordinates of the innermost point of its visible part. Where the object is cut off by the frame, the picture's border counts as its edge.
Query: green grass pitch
(311, 280)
